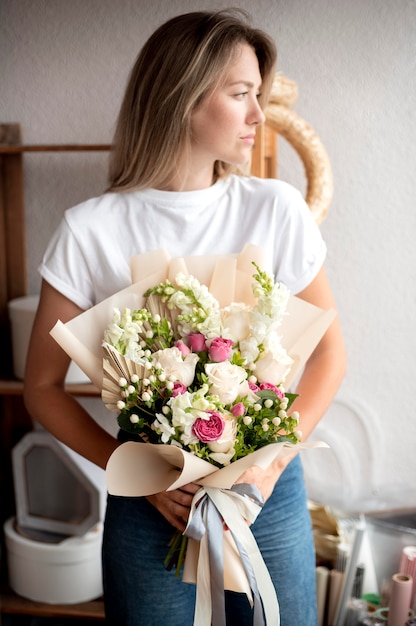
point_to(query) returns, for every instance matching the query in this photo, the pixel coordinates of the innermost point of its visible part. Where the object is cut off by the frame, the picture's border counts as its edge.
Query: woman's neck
(193, 178)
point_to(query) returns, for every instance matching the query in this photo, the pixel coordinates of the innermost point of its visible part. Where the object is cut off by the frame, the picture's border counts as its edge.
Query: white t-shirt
(87, 259)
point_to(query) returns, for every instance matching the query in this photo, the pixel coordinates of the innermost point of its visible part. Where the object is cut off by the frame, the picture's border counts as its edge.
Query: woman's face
(224, 123)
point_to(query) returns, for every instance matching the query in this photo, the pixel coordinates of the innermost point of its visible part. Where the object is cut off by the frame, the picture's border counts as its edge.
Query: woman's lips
(249, 139)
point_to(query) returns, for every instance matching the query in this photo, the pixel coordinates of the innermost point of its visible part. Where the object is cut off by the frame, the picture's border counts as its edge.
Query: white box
(68, 572)
(53, 494)
(22, 313)
(54, 542)
(390, 531)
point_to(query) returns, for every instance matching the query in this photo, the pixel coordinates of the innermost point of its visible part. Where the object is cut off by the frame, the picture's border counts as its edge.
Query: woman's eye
(242, 94)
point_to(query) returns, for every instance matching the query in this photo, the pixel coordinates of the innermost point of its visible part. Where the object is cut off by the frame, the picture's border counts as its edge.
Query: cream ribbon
(211, 509)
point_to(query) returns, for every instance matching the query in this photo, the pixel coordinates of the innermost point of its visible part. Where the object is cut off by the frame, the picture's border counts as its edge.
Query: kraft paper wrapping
(229, 279)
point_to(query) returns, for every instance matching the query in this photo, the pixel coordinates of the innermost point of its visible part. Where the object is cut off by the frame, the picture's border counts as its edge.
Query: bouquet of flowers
(204, 379)
(204, 375)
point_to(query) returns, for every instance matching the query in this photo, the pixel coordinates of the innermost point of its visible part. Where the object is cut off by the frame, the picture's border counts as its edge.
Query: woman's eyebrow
(247, 83)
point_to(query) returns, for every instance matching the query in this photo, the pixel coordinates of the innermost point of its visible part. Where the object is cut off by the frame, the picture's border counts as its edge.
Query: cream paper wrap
(148, 469)
(229, 278)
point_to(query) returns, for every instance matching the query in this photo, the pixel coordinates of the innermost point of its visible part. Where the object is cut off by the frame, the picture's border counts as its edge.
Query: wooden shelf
(15, 388)
(19, 149)
(13, 604)
(14, 418)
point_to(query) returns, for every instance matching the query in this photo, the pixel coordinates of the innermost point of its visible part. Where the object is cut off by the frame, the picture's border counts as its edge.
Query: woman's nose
(256, 114)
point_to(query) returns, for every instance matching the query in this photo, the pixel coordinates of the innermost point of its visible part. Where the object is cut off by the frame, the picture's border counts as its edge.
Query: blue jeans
(138, 591)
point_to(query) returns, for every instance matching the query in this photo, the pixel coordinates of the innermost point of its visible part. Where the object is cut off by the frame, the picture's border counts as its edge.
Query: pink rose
(178, 389)
(210, 429)
(277, 391)
(182, 347)
(238, 409)
(197, 342)
(220, 349)
(253, 386)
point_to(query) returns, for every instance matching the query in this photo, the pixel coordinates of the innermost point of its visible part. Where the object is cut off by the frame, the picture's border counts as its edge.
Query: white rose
(176, 366)
(236, 321)
(274, 364)
(225, 444)
(245, 391)
(225, 380)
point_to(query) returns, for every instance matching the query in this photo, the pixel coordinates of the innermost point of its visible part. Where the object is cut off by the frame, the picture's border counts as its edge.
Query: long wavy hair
(180, 63)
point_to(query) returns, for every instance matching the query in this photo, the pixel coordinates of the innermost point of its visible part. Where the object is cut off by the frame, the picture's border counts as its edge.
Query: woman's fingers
(175, 505)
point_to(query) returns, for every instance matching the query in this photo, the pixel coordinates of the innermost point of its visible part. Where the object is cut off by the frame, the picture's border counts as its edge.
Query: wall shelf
(20, 149)
(14, 419)
(14, 387)
(14, 605)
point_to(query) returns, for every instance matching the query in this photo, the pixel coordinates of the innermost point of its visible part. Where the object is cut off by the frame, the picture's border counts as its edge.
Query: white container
(389, 532)
(52, 492)
(68, 572)
(22, 313)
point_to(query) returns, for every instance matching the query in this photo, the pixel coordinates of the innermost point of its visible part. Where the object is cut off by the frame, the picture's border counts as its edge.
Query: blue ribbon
(207, 519)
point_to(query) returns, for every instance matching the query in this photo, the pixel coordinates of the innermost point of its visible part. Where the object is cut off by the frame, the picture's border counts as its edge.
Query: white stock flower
(186, 408)
(249, 350)
(162, 424)
(200, 292)
(260, 326)
(180, 405)
(113, 334)
(270, 308)
(199, 304)
(211, 326)
(225, 380)
(274, 304)
(175, 365)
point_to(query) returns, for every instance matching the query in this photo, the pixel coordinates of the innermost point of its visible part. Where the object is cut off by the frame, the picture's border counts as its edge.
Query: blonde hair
(178, 65)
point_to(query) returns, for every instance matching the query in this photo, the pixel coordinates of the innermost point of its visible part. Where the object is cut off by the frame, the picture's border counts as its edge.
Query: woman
(186, 127)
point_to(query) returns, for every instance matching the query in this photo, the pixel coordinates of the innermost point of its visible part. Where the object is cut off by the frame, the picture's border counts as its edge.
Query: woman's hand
(266, 479)
(175, 506)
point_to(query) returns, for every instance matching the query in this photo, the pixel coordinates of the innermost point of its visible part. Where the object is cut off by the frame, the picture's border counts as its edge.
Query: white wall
(63, 67)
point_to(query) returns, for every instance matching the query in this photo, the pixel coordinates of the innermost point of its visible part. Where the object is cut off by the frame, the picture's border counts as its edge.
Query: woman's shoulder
(267, 187)
(100, 202)
(101, 209)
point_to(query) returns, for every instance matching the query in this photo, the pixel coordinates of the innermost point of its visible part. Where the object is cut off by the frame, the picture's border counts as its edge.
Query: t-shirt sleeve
(65, 268)
(302, 250)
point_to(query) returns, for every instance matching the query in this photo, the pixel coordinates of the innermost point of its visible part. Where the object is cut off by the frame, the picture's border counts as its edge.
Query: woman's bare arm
(45, 396)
